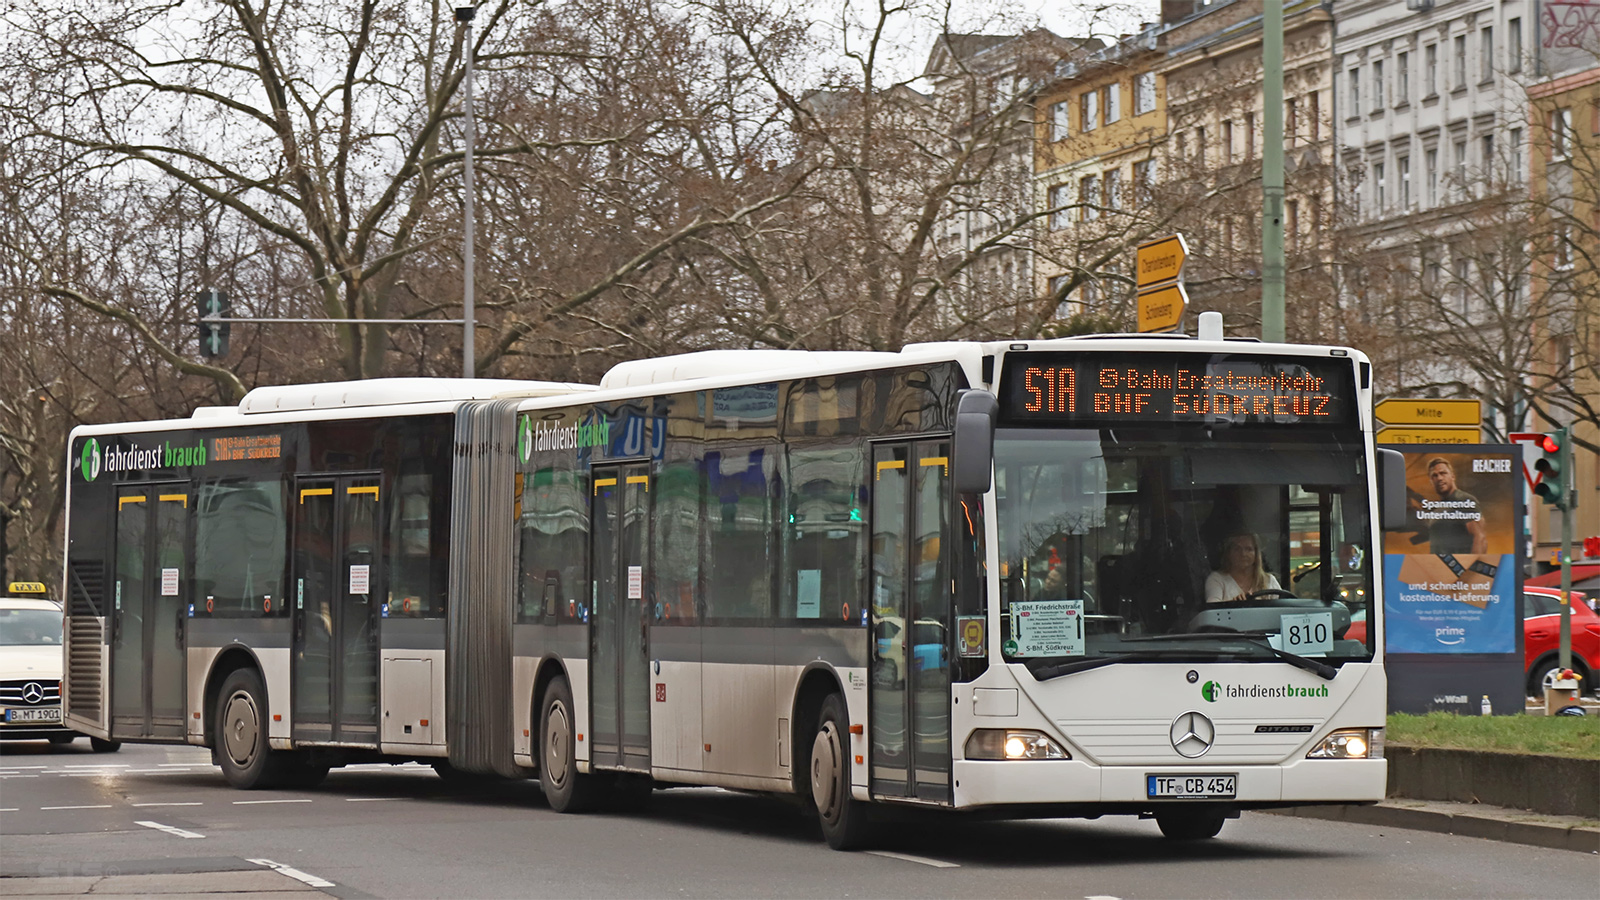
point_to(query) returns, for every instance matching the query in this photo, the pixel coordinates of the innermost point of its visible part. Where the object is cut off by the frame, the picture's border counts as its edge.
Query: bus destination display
(1064, 388)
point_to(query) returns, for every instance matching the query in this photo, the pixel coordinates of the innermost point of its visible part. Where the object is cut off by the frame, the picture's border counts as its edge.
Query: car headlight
(1008, 743)
(1350, 743)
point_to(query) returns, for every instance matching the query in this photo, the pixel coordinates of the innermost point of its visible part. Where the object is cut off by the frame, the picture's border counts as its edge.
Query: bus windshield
(1176, 544)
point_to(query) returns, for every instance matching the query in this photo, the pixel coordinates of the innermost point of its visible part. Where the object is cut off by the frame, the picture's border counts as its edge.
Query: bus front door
(909, 659)
(619, 673)
(338, 591)
(150, 605)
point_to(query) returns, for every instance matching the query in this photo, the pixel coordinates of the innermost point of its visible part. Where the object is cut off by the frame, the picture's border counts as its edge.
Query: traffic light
(213, 335)
(1551, 466)
(1591, 547)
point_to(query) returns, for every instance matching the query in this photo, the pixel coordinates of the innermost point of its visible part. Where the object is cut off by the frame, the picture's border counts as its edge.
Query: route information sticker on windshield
(1047, 628)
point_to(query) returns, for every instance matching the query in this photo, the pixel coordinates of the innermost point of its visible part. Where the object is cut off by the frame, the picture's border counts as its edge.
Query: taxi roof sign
(27, 587)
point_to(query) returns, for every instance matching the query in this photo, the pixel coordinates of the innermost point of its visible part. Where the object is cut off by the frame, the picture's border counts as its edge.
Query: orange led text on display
(1136, 391)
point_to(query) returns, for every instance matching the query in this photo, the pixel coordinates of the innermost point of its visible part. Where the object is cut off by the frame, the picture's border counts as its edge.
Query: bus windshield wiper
(1259, 638)
(1047, 672)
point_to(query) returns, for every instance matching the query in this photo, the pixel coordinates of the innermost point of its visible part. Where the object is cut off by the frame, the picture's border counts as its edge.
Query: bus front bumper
(1070, 782)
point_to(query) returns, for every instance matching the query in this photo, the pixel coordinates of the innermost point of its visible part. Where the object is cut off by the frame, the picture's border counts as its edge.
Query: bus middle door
(619, 672)
(338, 591)
(909, 657)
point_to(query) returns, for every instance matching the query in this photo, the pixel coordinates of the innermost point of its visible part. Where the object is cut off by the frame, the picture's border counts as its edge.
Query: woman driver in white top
(1241, 573)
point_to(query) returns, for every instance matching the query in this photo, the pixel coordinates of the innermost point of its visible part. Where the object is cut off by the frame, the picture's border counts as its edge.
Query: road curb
(1498, 825)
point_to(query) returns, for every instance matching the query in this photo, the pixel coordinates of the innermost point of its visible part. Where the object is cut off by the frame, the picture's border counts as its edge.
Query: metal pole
(1569, 501)
(1272, 307)
(469, 364)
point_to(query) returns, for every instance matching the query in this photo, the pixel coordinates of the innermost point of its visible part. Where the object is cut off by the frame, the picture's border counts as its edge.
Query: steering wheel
(1273, 594)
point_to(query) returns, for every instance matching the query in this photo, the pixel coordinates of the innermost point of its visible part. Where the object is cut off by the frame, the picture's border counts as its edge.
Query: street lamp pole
(464, 15)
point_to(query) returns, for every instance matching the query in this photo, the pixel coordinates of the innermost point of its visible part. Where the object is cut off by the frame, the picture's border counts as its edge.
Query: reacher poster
(1450, 574)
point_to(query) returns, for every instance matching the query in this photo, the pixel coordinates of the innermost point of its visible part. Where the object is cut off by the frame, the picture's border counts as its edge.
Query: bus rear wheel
(247, 760)
(564, 787)
(1190, 824)
(844, 819)
(101, 745)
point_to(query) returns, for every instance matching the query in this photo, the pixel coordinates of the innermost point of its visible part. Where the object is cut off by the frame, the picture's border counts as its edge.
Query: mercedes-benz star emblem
(1192, 734)
(32, 692)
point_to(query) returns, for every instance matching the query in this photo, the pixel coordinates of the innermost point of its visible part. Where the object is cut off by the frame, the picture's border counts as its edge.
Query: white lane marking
(19, 776)
(9, 809)
(180, 765)
(186, 803)
(1101, 897)
(100, 806)
(170, 829)
(257, 802)
(150, 772)
(10, 768)
(296, 874)
(368, 799)
(921, 860)
(96, 765)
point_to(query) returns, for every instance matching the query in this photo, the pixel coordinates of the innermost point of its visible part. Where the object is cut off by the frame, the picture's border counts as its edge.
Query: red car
(1541, 637)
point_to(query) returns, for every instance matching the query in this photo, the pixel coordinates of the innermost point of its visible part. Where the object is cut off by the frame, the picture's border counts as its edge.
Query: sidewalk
(1516, 826)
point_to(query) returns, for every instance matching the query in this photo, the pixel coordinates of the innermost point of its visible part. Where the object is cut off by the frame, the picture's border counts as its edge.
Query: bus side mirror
(976, 412)
(1392, 490)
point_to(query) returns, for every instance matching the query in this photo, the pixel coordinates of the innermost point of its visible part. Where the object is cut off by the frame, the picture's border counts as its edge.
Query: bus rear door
(619, 673)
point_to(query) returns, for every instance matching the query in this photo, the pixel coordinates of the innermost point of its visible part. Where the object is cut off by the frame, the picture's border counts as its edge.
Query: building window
(1089, 110)
(1486, 147)
(1430, 159)
(1515, 137)
(1377, 86)
(1065, 308)
(1402, 79)
(1563, 248)
(1144, 93)
(1561, 133)
(1060, 120)
(1113, 102)
(1183, 145)
(1462, 272)
(1486, 54)
(1430, 71)
(1460, 191)
(1355, 92)
(1227, 141)
(1291, 222)
(1249, 135)
(1060, 207)
(1314, 110)
(1460, 63)
(1402, 167)
(1291, 121)
(1144, 174)
(1089, 197)
(1378, 198)
(1514, 45)
(1200, 145)
(1113, 178)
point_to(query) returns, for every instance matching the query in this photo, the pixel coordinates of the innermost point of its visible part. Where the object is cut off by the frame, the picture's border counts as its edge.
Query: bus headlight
(1350, 743)
(1004, 743)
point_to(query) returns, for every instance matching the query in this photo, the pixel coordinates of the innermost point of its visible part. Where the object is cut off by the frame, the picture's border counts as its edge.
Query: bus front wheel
(844, 819)
(247, 759)
(564, 787)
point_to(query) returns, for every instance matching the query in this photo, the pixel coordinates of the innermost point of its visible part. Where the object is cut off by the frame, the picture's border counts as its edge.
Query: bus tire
(566, 790)
(845, 822)
(246, 757)
(101, 745)
(1190, 824)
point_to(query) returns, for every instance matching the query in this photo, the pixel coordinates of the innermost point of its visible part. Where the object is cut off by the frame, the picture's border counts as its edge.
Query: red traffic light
(1549, 444)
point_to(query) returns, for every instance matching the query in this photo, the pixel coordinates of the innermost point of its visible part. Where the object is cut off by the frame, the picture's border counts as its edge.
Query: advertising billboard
(1452, 577)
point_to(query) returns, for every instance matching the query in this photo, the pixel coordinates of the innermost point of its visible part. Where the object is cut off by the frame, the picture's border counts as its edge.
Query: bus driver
(1241, 573)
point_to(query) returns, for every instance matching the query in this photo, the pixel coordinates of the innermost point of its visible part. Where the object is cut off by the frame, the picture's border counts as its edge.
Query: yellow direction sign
(1428, 436)
(1160, 260)
(1420, 411)
(1162, 309)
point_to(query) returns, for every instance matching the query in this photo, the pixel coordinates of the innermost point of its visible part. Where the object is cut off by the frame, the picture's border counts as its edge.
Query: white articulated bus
(994, 577)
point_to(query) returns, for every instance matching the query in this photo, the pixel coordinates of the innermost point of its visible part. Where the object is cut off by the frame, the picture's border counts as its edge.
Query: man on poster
(1456, 521)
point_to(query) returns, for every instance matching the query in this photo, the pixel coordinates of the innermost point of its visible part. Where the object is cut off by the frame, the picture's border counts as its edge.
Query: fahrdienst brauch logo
(1213, 691)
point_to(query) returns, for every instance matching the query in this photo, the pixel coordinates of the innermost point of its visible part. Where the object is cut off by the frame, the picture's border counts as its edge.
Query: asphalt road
(388, 831)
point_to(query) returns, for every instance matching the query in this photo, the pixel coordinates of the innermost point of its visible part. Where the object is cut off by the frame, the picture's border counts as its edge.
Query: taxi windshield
(1156, 544)
(30, 627)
